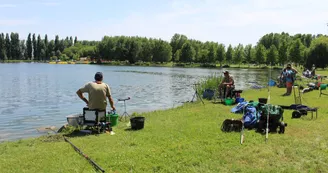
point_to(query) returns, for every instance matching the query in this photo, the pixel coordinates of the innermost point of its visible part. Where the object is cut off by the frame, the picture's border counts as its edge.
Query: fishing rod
(268, 109)
(93, 163)
(242, 134)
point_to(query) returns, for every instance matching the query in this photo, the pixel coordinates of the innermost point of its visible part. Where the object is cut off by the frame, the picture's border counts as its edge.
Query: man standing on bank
(289, 73)
(98, 93)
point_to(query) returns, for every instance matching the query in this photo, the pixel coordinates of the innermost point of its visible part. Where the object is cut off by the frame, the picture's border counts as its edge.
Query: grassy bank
(17, 61)
(184, 139)
(175, 64)
(188, 65)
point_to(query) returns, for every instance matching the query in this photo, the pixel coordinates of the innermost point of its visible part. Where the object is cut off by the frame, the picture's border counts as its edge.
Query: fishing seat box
(92, 117)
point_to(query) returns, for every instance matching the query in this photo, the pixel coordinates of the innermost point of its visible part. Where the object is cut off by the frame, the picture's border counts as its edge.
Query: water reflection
(39, 95)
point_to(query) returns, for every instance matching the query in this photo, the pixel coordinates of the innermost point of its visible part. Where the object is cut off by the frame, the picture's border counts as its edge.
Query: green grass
(321, 72)
(185, 139)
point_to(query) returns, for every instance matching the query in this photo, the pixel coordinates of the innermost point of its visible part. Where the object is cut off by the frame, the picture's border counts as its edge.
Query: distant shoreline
(149, 64)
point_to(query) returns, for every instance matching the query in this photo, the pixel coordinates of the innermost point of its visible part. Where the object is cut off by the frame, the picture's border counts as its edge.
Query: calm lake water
(34, 95)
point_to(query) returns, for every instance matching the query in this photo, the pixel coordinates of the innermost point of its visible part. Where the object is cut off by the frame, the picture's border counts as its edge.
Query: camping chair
(232, 93)
(94, 118)
(221, 97)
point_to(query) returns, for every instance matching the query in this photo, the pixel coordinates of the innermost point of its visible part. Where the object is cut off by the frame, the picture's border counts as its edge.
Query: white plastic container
(75, 120)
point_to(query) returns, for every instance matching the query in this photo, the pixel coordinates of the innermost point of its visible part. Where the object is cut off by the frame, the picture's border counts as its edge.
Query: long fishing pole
(242, 134)
(94, 164)
(268, 109)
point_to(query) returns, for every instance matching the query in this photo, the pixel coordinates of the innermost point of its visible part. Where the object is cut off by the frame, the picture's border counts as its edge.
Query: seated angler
(226, 85)
(98, 92)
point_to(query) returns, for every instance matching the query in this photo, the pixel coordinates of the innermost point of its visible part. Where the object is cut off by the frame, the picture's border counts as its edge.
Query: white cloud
(7, 5)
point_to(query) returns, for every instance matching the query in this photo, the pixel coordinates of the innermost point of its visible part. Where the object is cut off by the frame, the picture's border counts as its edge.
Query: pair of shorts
(289, 84)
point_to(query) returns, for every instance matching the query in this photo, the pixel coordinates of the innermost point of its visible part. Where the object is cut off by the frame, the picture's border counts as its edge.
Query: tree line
(272, 48)
(33, 48)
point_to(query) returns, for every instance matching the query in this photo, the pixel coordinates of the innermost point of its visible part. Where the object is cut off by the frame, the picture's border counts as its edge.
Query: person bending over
(98, 93)
(227, 84)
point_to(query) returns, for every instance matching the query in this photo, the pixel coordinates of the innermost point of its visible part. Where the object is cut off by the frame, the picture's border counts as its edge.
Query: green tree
(57, 43)
(23, 50)
(211, 54)
(248, 56)
(66, 43)
(29, 47)
(47, 53)
(318, 53)
(51, 48)
(260, 55)
(308, 40)
(229, 54)
(3, 55)
(283, 53)
(177, 55)
(40, 46)
(239, 54)
(203, 55)
(71, 43)
(272, 55)
(177, 42)
(296, 52)
(35, 51)
(134, 51)
(8, 46)
(75, 40)
(270, 39)
(146, 53)
(57, 53)
(42, 54)
(62, 45)
(106, 48)
(89, 51)
(197, 46)
(15, 46)
(120, 48)
(187, 53)
(220, 54)
(162, 51)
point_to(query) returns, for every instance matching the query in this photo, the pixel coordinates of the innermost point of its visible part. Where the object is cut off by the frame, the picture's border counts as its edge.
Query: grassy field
(185, 139)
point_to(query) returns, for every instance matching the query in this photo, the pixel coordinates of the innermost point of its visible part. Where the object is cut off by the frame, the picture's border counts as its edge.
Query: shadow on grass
(134, 130)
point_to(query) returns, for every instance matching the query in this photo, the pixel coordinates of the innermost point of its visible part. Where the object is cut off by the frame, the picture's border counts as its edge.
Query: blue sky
(223, 21)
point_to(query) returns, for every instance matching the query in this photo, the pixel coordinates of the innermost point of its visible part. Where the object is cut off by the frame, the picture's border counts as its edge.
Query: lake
(35, 95)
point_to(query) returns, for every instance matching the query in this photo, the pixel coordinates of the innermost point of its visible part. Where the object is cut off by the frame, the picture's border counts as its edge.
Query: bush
(211, 82)
(139, 63)
(64, 57)
(210, 65)
(53, 58)
(180, 64)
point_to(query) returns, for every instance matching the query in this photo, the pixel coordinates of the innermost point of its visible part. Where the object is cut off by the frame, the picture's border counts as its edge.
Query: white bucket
(75, 120)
